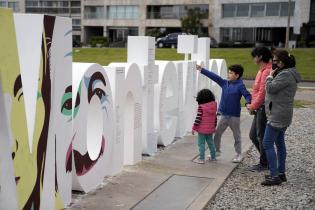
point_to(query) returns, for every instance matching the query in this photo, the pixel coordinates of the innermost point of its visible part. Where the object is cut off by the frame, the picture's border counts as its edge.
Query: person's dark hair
(205, 96)
(264, 52)
(237, 69)
(286, 58)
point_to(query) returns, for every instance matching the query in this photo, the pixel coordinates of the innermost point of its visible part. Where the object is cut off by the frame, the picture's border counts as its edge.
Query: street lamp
(288, 26)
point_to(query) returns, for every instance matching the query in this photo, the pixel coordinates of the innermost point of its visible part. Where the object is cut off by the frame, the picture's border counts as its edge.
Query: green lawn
(305, 58)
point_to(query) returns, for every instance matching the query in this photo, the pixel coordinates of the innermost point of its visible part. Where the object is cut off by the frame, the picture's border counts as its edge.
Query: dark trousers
(257, 132)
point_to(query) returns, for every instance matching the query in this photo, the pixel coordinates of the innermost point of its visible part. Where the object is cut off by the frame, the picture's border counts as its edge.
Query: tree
(191, 23)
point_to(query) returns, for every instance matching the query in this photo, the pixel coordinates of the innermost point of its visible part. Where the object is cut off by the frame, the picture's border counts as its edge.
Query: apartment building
(255, 21)
(120, 18)
(230, 21)
(64, 8)
(227, 21)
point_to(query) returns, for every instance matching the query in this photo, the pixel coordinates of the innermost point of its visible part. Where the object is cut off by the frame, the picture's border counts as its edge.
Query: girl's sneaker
(237, 158)
(199, 161)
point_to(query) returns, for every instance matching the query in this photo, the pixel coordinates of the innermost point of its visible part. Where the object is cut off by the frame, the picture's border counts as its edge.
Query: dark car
(76, 43)
(169, 40)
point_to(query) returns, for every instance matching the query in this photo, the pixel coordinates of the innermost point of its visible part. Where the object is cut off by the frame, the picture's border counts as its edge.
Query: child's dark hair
(237, 69)
(264, 52)
(205, 96)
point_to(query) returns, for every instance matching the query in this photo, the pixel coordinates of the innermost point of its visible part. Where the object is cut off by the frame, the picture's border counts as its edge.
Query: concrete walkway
(154, 182)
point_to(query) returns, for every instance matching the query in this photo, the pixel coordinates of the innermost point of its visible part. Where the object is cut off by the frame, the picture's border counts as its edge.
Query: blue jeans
(202, 138)
(276, 162)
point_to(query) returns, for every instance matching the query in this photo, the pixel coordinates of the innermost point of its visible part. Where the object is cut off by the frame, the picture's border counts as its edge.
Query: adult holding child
(262, 57)
(281, 86)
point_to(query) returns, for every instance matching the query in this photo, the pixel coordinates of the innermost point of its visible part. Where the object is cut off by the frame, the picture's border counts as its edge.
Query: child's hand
(198, 67)
(193, 132)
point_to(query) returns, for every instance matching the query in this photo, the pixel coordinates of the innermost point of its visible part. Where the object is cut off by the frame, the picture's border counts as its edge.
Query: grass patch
(303, 104)
(304, 57)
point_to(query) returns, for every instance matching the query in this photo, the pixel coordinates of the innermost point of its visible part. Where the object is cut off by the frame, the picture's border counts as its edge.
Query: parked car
(213, 43)
(76, 43)
(170, 40)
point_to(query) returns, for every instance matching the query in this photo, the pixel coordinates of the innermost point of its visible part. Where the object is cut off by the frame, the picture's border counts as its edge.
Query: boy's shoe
(199, 161)
(283, 177)
(257, 168)
(237, 158)
(271, 180)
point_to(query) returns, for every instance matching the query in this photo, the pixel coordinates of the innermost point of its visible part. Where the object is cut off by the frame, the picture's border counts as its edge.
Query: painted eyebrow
(17, 84)
(68, 32)
(68, 54)
(68, 89)
(97, 76)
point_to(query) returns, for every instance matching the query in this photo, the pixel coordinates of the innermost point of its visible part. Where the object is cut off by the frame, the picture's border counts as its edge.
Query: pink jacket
(205, 121)
(259, 91)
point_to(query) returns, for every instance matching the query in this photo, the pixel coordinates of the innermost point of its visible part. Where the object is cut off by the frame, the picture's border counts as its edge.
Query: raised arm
(212, 76)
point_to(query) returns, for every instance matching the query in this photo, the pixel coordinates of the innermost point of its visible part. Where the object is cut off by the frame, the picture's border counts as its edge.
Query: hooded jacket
(205, 121)
(232, 91)
(259, 89)
(280, 92)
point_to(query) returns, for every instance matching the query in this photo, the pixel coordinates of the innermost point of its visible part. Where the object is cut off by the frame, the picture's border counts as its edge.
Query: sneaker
(212, 159)
(209, 157)
(218, 153)
(283, 177)
(271, 180)
(199, 161)
(257, 168)
(237, 158)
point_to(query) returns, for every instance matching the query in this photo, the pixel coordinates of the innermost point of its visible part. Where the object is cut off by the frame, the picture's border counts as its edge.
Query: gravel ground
(242, 190)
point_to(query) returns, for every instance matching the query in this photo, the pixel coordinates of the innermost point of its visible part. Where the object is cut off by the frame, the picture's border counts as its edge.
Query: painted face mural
(92, 127)
(28, 154)
(61, 67)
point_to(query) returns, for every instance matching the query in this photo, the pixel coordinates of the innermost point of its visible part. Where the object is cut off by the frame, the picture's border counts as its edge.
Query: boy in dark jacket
(230, 107)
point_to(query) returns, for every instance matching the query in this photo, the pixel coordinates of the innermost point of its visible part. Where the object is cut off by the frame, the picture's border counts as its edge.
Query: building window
(241, 35)
(312, 15)
(3, 4)
(75, 4)
(229, 10)
(94, 12)
(275, 9)
(257, 10)
(285, 7)
(31, 3)
(75, 10)
(225, 34)
(176, 11)
(272, 9)
(242, 10)
(123, 12)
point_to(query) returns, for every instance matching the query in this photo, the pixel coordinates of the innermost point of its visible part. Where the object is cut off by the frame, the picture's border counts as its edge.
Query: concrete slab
(177, 193)
(134, 183)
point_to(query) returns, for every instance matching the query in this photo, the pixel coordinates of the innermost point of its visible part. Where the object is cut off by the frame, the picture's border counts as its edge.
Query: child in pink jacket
(205, 123)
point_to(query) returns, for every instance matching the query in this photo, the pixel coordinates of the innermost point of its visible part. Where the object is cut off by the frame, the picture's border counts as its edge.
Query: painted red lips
(83, 163)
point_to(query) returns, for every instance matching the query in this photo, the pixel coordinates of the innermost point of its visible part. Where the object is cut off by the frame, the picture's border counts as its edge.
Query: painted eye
(77, 105)
(66, 104)
(100, 93)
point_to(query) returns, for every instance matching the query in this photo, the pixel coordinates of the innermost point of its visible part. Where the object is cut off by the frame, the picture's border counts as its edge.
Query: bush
(154, 32)
(99, 41)
(312, 44)
(230, 44)
(301, 43)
